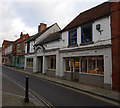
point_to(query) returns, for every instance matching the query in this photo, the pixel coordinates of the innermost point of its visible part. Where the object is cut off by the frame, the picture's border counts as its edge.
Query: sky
(18, 16)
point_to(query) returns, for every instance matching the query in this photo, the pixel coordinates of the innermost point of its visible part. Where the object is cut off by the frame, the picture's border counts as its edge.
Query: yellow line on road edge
(43, 99)
(36, 94)
(91, 95)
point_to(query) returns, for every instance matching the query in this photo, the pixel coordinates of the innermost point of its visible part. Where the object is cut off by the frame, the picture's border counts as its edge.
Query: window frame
(75, 30)
(87, 58)
(29, 63)
(83, 27)
(51, 62)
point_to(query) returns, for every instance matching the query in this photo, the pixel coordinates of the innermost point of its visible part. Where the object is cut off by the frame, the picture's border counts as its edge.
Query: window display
(84, 65)
(77, 63)
(51, 62)
(91, 65)
(100, 66)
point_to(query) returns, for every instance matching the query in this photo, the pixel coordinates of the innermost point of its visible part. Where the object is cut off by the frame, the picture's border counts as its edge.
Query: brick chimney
(41, 26)
(21, 34)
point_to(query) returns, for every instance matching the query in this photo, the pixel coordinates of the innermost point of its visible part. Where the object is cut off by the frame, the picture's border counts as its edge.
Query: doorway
(40, 64)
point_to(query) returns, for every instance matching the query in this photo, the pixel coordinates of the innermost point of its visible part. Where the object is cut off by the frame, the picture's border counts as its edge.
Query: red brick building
(115, 36)
(20, 49)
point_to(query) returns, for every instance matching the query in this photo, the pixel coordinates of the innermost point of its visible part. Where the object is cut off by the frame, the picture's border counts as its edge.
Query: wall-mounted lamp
(98, 27)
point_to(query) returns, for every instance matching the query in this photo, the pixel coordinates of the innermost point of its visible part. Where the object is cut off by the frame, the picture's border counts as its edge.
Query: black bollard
(26, 90)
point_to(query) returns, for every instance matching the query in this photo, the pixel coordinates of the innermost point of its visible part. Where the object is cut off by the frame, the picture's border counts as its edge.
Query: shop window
(73, 37)
(68, 64)
(86, 33)
(84, 65)
(92, 65)
(30, 62)
(18, 48)
(51, 62)
(72, 61)
(77, 63)
(18, 60)
(100, 65)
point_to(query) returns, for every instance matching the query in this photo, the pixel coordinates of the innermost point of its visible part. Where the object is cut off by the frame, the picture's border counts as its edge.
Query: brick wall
(115, 33)
(22, 36)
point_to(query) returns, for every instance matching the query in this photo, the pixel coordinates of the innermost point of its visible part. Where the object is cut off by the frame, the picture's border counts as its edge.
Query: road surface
(53, 94)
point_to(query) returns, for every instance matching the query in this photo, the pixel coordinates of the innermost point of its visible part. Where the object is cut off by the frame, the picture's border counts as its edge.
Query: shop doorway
(40, 64)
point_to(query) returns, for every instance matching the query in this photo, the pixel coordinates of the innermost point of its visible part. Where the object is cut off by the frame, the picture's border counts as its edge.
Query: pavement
(109, 94)
(13, 94)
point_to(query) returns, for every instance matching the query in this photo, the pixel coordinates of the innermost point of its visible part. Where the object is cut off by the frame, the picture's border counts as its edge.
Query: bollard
(26, 90)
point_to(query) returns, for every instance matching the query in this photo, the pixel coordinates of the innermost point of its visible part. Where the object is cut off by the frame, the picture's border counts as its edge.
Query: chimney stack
(41, 26)
(21, 34)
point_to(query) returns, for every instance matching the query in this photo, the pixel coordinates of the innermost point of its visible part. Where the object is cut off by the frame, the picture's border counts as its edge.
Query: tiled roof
(50, 38)
(89, 15)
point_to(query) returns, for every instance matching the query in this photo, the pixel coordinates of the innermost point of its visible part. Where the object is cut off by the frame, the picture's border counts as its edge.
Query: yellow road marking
(91, 95)
(36, 94)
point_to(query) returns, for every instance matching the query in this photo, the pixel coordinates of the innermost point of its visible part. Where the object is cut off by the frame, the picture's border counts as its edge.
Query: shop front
(92, 67)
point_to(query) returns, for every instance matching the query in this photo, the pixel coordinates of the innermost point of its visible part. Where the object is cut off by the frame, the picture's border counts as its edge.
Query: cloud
(18, 16)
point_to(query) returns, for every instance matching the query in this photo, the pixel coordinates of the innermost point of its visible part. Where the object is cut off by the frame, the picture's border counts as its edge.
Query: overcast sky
(18, 16)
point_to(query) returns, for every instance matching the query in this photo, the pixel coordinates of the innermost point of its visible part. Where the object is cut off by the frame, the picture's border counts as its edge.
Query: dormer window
(86, 33)
(72, 37)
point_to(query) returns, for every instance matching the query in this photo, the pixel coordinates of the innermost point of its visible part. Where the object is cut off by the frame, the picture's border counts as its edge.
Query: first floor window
(30, 62)
(86, 33)
(51, 62)
(73, 37)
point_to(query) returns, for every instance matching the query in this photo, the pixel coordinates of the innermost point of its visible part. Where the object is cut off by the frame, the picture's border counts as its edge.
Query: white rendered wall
(105, 35)
(51, 30)
(106, 52)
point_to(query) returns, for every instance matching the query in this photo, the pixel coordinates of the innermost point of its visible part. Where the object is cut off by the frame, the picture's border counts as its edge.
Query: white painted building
(32, 59)
(80, 52)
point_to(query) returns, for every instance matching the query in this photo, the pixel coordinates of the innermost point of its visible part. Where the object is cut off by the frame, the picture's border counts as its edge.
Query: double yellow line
(48, 104)
(42, 99)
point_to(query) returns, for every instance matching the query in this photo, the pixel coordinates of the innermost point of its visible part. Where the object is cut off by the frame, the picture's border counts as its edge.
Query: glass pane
(87, 33)
(77, 64)
(51, 62)
(73, 37)
(67, 64)
(91, 65)
(100, 65)
(72, 61)
(84, 65)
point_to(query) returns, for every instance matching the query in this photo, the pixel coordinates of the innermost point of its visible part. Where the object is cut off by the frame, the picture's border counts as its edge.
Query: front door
(40, 64)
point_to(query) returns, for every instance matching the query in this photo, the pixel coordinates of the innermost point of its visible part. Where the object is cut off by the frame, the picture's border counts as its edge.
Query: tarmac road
(54, 94)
